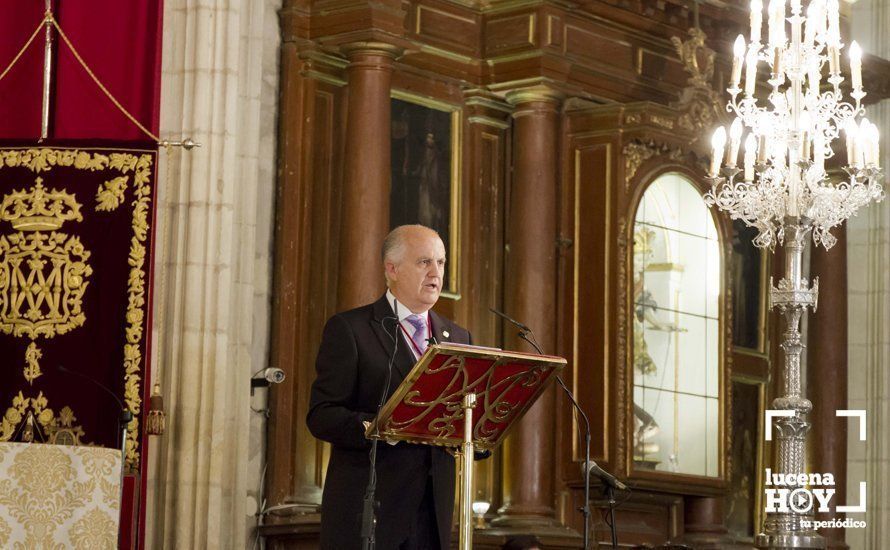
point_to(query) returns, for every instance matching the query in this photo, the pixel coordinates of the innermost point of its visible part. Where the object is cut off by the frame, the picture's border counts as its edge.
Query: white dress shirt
(404, 313)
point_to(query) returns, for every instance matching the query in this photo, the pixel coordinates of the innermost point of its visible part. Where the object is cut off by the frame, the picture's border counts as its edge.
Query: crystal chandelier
(783, 190)
(790, 132)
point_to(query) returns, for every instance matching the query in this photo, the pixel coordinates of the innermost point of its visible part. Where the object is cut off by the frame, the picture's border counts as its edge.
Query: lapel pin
(445, 334)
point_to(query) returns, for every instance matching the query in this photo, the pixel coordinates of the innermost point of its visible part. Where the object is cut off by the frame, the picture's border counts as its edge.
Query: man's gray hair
(394, 243)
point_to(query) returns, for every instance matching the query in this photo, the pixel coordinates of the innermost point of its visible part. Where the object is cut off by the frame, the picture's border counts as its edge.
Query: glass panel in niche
(676, 340)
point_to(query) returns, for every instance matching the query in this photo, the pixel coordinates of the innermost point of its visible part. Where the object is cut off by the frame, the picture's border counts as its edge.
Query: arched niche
(677, 351)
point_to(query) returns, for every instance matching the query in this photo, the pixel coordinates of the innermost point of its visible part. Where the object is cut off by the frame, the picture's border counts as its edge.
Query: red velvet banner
(120, 41)
(75, 270)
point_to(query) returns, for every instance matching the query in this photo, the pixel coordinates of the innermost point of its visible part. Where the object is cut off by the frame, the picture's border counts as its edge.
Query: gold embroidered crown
(39, 209)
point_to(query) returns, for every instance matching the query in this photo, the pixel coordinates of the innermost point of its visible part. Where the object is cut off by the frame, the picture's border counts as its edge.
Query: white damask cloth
(58, 497)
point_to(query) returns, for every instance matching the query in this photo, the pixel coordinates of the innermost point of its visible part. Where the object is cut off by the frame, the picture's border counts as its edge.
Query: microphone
(529, 336)
(512, 320)
(594, 469)
(392, 358)
(126, 415)
(123, 420)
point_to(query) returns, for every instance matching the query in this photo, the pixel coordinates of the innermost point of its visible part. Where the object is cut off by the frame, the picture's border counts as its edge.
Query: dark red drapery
(120, 41)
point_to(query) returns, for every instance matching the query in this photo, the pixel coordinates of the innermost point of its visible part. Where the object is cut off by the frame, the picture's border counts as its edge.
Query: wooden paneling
(586, 265)
(305, 276)
(454, 31)
(659, 66)
(509, 33)
(482, 266)
(644, 519)
(604, 47)
(554, 32)
(590, 181)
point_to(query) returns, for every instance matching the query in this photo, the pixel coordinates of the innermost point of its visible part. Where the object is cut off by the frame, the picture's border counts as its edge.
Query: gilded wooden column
(366, 176)
(530, 296)
(827, 375)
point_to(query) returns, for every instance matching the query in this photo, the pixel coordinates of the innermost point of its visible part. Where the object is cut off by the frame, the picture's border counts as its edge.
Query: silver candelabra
(784, 191)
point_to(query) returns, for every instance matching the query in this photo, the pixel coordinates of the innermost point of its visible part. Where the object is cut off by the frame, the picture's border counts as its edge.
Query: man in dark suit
(415, 483)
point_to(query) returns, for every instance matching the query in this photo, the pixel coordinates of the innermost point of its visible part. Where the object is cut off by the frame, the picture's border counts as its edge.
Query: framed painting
(744, 502)
(425, 185)
(749, 296)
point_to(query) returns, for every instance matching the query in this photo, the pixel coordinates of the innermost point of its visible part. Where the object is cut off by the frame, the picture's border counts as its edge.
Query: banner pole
(47, 70)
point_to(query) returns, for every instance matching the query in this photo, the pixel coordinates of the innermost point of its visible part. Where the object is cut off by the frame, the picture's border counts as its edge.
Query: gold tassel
(156, 421)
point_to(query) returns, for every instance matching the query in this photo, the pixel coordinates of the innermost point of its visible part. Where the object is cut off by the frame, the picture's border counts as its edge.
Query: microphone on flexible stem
(125, 417)
(611, 484)
(524, 333)
(594, 469)
(369, 503)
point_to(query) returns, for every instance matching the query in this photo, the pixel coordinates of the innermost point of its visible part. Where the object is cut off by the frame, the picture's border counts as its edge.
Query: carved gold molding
(699, 105)
(623, 359)
(638, 152)
(372, 48)
(690, 52)
(532, 94)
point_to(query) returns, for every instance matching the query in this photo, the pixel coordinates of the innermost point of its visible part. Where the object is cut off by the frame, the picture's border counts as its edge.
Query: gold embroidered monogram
(42, 282)
(43, 278)
(46, 271)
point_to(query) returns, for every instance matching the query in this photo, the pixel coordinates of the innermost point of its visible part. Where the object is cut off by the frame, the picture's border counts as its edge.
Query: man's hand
(367, 425)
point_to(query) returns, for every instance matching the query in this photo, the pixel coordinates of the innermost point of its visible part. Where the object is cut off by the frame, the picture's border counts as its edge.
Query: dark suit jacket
(351, 368)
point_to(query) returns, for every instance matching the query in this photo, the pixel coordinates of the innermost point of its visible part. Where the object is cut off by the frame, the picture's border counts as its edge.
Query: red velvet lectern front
(465, 397)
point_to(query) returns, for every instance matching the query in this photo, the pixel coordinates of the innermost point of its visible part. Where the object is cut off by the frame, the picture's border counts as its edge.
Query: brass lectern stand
(465, 397)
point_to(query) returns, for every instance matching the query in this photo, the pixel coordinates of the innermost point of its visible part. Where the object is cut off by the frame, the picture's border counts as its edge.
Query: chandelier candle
(785, 192)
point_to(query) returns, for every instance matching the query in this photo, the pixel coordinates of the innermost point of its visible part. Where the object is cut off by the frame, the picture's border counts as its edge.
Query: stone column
(366, 174)
(529, 452)
(827, 375)
(211, 271)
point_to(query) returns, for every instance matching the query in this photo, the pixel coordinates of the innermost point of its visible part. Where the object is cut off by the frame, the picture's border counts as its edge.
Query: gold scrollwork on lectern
(489, 391)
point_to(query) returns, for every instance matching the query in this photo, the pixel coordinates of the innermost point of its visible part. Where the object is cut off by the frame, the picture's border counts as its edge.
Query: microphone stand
(610, 495)
(524, 333)
(369, 504)
(610, 484)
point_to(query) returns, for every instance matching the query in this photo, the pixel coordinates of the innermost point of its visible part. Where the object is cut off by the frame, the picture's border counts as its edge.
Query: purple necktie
(420, 333)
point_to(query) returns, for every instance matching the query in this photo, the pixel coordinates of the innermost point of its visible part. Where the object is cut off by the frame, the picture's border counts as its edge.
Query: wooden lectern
(466, 397)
